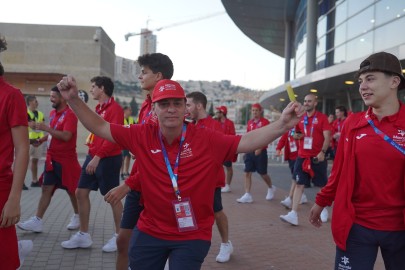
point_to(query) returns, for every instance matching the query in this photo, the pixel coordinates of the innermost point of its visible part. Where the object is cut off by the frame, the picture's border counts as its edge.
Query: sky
(210, 49)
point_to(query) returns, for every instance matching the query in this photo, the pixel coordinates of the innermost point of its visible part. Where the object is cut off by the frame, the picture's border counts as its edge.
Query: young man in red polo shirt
(368, 175)
(256, 161)
(179, 165)
(101, 169)
(337, 126)
(228, 127)
(313, 132)
(62, 169)
(14, 147)
(196, 110)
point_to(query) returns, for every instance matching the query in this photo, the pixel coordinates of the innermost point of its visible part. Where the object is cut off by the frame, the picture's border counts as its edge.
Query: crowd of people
(183, 163)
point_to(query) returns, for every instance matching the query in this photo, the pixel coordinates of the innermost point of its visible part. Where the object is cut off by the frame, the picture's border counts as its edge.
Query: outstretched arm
(261, 137)
(91, 120)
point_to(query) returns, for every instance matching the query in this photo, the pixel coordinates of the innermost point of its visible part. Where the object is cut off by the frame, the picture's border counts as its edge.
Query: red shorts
(9, 249)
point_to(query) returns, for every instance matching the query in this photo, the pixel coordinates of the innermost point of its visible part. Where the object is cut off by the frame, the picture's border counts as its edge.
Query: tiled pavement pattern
(260, 239)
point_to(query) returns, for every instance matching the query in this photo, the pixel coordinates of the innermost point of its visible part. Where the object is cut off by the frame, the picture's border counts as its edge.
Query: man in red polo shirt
(368, 175)
(196, 110)
(179, 164)
(14, 147)
(313, 132)
(228, 127)
(256, 161)
(62, 169)
(101, 169)
(337, 126)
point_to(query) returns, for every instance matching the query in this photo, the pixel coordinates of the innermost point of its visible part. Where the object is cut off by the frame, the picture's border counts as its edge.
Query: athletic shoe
(291, 218)
(304, 199)
(324, 215)
(74, 223)
(270, 193)
(35, 184)
(34, 224)
(78, 240)
(286, 202)
(111, 245)
(246, 198)
(24, 248)
(226, 188)
(225, 252)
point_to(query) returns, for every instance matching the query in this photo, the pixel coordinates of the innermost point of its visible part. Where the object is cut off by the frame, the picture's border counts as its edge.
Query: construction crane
(147, 31)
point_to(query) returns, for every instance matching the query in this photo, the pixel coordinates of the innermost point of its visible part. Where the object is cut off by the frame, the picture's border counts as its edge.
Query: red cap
(257, 106)
(165, 89)
(222, 109)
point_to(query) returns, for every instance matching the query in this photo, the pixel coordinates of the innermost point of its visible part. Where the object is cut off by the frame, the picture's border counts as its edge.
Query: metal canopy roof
(263, 21)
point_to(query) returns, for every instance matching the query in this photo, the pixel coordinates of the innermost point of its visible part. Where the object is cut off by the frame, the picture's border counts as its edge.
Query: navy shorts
(147, 252)
(54, 177)
(227, 164)
(255, 163)
(106, 177)
(362, 247)
(320, 170)
(291, 164)
(217, 200)
(132, 210)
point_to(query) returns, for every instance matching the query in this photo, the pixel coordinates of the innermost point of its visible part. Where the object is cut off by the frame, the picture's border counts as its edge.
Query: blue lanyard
(384, 136)
(60, 119)
(173, 173)
(306, 123)
(147, 116)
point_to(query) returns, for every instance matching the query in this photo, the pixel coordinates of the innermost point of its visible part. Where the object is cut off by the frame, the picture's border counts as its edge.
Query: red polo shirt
(111, 112)
(202, 155)
(254, 124)
(228, 127)
(337, 126)
(316, 125)
(284, 142)
(12, 115)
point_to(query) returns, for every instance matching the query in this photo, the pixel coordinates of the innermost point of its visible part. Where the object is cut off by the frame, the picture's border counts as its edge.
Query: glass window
(387, 10)
(321, 29)
(360, 46)
(389, 35)
(361, 23)
(321, 62)
(354, 6)
(321, 46)
(341, 12)
(340, 34)
(339, 55)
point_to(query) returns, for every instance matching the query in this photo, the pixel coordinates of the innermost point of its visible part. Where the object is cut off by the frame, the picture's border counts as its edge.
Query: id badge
(308, 142)
(293, 146)
(48, 141)
(183, 212)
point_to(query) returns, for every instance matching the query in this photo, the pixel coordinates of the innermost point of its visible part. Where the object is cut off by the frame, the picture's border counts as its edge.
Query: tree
(211, 110)
(245, 114)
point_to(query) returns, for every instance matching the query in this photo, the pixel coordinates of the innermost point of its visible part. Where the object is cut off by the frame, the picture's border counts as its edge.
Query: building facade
(323, 43)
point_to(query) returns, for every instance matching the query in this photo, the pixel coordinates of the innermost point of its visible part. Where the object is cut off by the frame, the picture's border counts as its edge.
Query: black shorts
(132, 210)
(227, 164)
(291, 164)
(106, 177)
(217, 200)
(320, 173)
(53, 177)
(255, 163)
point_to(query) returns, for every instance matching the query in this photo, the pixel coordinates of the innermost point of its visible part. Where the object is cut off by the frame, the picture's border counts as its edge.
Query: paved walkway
(260, 239)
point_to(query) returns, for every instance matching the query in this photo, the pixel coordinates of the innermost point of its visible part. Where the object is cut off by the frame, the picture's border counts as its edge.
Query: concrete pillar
(312, 21)
(288, 45)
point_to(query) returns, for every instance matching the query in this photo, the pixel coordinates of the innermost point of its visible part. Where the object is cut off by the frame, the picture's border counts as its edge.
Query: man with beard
(62, 169)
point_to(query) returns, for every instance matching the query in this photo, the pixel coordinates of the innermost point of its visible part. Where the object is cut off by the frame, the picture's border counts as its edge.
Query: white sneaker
(304, 199)
(246, 198)
(226, 188)
(34, 224)
(225, 252)
(111, 245)
(74, 223)
(291, 218)
(24, 248)
(324, 215)
(78, 240)
(270, 193)
(286, 202)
